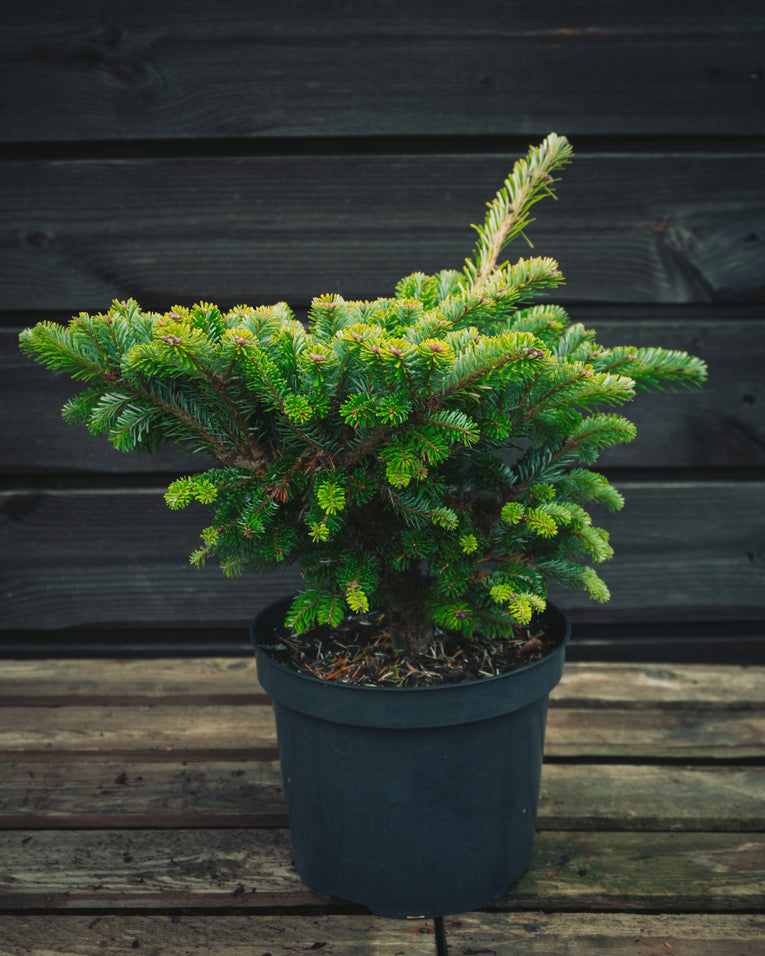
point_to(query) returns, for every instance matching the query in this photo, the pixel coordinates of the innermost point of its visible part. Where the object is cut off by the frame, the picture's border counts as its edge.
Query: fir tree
(367, 445)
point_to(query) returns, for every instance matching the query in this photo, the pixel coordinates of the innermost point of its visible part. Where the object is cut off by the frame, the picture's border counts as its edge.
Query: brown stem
(404, 603)
(256, 458)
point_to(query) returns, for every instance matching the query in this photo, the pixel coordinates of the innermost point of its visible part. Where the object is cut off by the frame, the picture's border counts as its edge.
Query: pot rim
(481, 681)
(433, 705)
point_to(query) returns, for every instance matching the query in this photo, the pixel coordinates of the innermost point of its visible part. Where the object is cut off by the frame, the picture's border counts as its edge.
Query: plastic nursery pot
(410, 801)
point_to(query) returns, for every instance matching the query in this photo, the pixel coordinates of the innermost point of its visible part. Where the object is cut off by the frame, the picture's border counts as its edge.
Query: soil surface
(360, 651)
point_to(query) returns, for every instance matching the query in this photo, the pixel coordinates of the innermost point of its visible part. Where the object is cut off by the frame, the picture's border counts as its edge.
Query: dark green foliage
(367, 446)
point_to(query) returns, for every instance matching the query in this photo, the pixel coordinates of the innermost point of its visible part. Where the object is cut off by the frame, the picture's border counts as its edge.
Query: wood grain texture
(117, 557)
(158, 729)
(202, 731)
(252, 869)
(248, 793)
(102, 851)
(699, 872)
(134, 794)
(504, 934)
(131, 683)
(611, 934)
(669, 227)
(408, 69)
(720, 426)
(79, 681)
(673, 686)
(157, 869)
(645, 797)
(233, 935)
(240, 153)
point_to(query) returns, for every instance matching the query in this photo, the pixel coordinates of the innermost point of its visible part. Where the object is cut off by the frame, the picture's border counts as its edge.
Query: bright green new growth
(368, 446)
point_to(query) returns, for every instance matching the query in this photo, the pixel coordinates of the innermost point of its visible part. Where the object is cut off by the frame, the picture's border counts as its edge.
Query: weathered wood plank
(117, 556)
(170, 794)
(720, 425)
(533, 934)
(428, 68)
(624, 797)
(134, 795)
(250, 869)
(671, 685)
(160, 728)
(170, 680)
(614, 934)
(654, 734)
(151, 868)
(688, 872)
(202, 731)
(676, 227)
(234, 935)
(77, 681)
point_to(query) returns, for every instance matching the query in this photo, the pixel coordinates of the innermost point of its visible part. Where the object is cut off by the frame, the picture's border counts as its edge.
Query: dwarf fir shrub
(428, 453)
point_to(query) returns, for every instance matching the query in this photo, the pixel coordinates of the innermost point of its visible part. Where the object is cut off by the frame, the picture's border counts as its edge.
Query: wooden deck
(141, 810)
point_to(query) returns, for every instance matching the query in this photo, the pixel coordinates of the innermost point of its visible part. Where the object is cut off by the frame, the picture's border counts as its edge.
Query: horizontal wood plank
(248, 793)
(185, 935)
(134, 794)
(688, 872)
(252, 869)
(117, 557)
(81, 683)
(531, 933)
(720, 425)
(670, 685)
(241, 731)
(615, 934)
(682, 734)
(234, 935)
(643, 797)
(428, 68)
(159, 729)
(671, 227)
(157, 869)
(78, 681)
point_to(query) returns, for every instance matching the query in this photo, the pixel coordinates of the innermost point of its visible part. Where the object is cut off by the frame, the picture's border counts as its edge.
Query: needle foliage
(429, 453)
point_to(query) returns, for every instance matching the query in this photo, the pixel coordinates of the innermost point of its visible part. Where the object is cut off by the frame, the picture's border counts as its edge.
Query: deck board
(420, 68)
(248, 793)
(234, 935)
(611, 934)
(141, 802)
(80, 682)
(225, 868)
(200, 730)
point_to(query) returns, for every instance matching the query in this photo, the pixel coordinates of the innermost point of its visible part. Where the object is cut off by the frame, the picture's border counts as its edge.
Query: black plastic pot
(411, 801)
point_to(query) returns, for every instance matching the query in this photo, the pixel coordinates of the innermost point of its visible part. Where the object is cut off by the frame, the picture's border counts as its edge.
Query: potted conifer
(425, 460)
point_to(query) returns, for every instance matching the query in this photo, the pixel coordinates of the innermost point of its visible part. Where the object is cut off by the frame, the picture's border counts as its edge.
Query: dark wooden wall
(253, 152)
